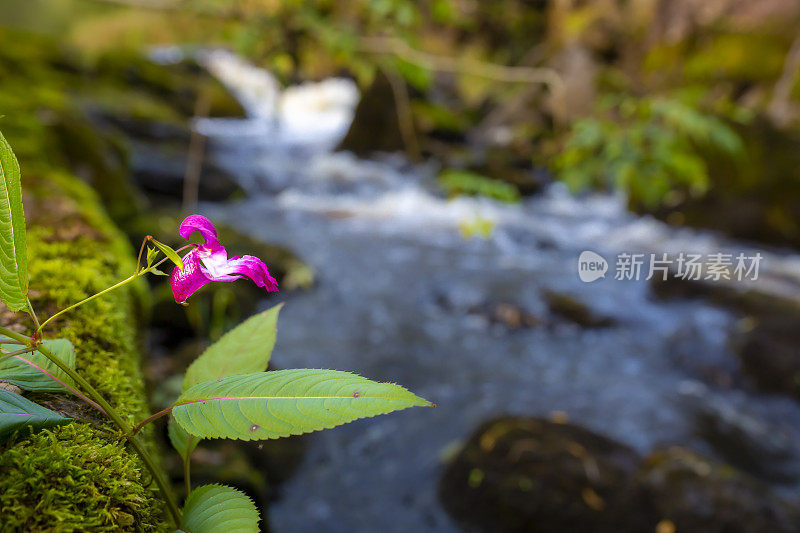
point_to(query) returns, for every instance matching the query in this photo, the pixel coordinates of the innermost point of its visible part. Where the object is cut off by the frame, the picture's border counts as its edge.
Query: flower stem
(112, 414)
(89, 299)
(109, 289)
(141, 251)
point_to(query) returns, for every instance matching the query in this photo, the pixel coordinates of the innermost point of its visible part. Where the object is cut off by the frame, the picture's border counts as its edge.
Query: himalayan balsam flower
(209, 262)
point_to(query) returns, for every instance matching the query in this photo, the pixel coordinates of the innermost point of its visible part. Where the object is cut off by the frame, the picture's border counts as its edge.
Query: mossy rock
(693, 493)
(81, 476)
(180, 84)
(531, 474)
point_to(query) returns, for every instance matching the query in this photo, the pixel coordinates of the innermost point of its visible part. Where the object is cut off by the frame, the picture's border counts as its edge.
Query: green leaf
(13, 255)
(181, 441)
(244, 349)
(269, 405)
(33, 371)
(151, 255)
(219, 509)
(16, 413)
(170, 253)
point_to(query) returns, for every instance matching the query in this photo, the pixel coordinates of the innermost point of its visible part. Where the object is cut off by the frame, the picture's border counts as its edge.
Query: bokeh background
(422, 177)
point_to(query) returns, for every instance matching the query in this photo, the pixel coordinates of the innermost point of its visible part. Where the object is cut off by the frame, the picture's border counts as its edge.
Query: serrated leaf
(33, 371)
(16, 413)
(13, 253)
(181, 440)
(170, 253)
(269, 405)
(219, 509)
(244, 349)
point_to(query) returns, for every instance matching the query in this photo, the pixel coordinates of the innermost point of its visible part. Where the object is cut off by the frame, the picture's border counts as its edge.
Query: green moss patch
(82, 476)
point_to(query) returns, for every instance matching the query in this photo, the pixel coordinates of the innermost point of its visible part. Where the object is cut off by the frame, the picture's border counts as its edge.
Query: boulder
(530, 474)
(767, 338)
(375, 126)
(160, 170)
(696, 494)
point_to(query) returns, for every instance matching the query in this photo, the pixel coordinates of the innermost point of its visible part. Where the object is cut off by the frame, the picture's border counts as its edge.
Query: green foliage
(477, 227)
(24, 370)
(244, 349)
(646, 147)
(13, 255)
(463, 182)
(269, 405)
(219, 509)
(183, 443)
(18, 413)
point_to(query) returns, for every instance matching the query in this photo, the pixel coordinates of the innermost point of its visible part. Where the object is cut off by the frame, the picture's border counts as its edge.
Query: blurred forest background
(678, 104)
(688, 110)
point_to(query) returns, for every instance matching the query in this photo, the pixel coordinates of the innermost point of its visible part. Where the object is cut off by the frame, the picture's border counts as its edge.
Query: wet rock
(573, 310)
(375, 126)
(769, 354)
(696, 494)
(527, 474)
(767, 337)
(530, 474)
(508, 314)
(160, 170)
(764, 448)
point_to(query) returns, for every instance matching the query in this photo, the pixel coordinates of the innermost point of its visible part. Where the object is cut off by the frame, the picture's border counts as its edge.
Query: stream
(401, 295)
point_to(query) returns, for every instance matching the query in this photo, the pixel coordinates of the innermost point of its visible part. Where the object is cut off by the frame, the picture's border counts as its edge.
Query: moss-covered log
(81, 476)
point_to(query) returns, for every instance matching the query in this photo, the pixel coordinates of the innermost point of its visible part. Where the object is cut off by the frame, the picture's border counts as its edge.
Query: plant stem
(33, 314)
(34, 344)
(70, 388)
(89, 299)
(150, 418)
(112, 414)
(163, 486)
(187, 476)
(109, 289)
(17, 352)
(141, 250)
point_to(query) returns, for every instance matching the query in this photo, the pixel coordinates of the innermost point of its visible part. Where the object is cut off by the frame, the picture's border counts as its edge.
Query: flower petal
(200, 223)
(209, 262)
(185, 282)
(255, 269)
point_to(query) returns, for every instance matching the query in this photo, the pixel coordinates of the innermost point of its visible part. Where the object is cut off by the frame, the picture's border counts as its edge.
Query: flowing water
(401, 296)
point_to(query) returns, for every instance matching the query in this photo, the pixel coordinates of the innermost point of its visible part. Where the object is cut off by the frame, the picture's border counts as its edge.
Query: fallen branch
(503, 73)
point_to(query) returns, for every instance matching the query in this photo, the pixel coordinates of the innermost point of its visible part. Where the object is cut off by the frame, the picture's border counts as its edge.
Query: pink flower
(209, 262)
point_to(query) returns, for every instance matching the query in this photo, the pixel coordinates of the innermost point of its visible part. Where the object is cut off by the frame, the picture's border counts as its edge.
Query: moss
(81, 476)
